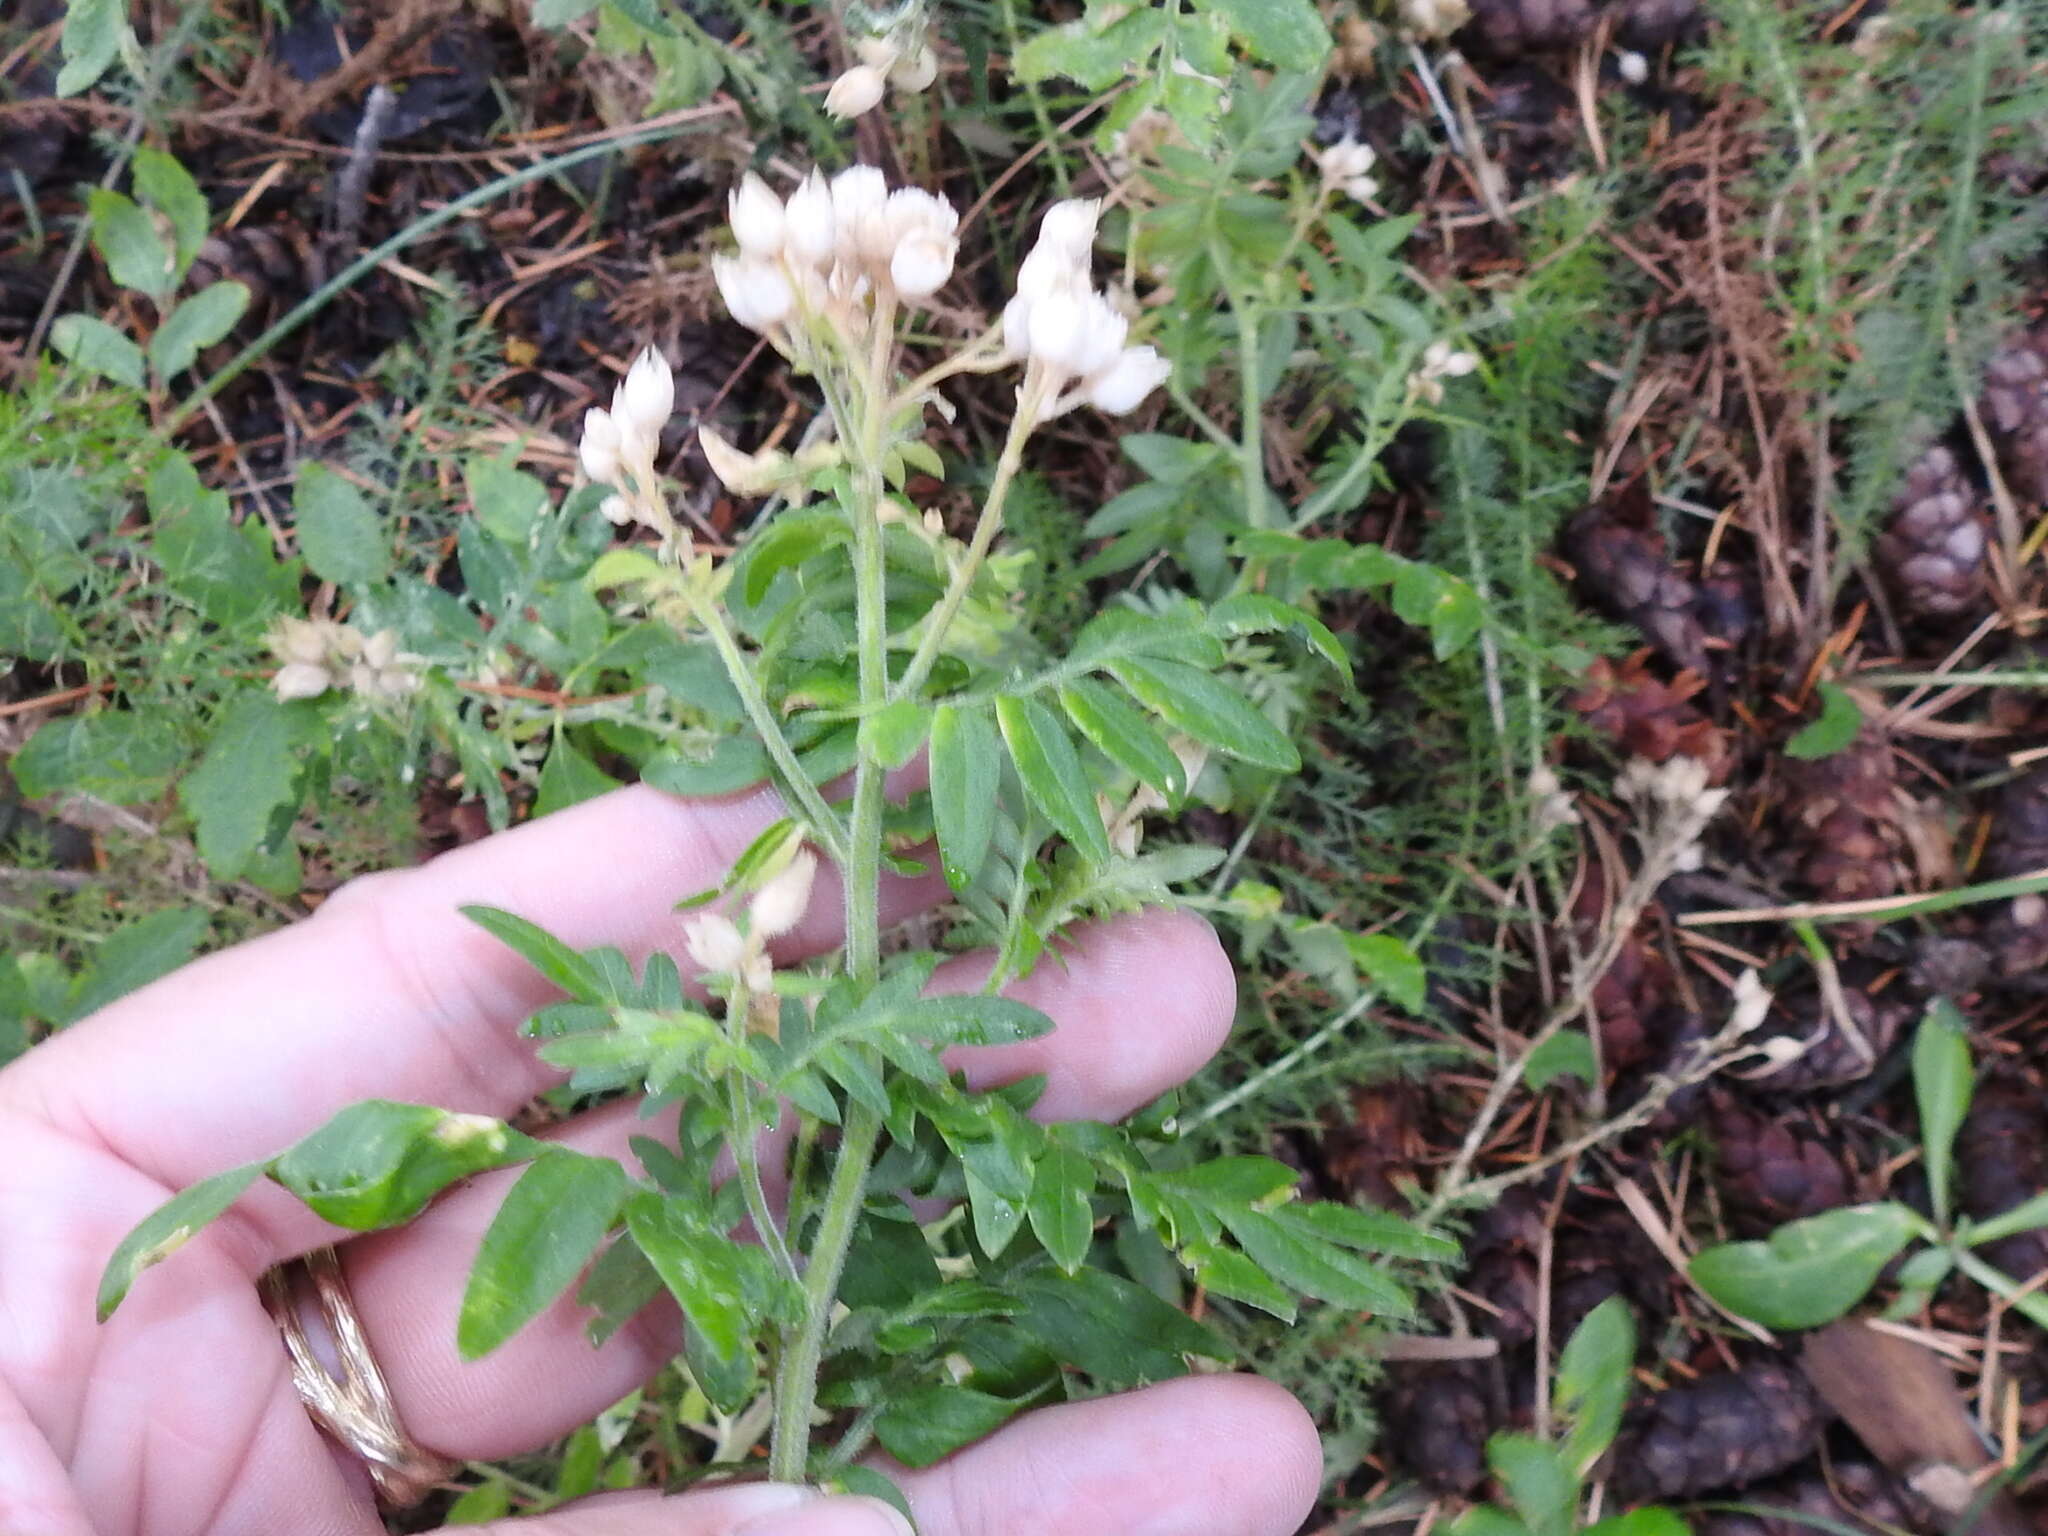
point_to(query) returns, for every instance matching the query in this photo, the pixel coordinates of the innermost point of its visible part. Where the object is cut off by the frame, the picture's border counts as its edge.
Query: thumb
(743, 1509)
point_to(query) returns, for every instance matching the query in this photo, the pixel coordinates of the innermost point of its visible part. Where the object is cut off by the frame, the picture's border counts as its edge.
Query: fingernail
(741, 1506)
(845, 1514)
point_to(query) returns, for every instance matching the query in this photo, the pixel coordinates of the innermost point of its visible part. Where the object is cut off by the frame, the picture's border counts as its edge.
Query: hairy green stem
(1029, 399)
(824, 824)
(746, 1156)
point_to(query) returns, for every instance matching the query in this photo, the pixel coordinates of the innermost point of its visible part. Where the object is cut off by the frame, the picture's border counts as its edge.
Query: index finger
(389, 992)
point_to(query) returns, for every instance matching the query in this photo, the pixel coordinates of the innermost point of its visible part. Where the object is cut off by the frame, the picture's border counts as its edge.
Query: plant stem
(746, 1156)
(1029, 398)
(824, 825)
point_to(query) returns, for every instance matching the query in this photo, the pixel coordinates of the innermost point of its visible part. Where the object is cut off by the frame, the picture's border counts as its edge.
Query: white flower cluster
(619, 444)
(1673, 805)
(1344, 166)
(1440, 361)
(1060, 322)
(833, 246)
(884, 62)
(319, 654)
(1427, 19)
(720, 949)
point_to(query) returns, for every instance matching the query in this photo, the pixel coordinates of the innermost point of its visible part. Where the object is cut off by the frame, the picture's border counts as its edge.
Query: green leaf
(138, 953)
(572, 971)
(486, 1501)
(1654, 1520)
(724, 1286)
(167, 1229)
(1123, 735)
(1207, 709)
(1488, 1520)
(339, 534)
(1832, 730)
(247, 779)
(378, 1163)
(1059, 1207)
(734, 764)
(969, 1018)
(1226, 1272)
(620, 1283)
(1310, 1263)
(1538, 1483)
(165, 185)
(559, 13)
(1809, 1272)
(1112, 1328)
(1942, 1082)
(925, 1424)
(1094, 59)
(1051, 773)
(98, 348)
(1568, 1053)
(2024, 1217)
(543, 1235)
(1392, 965)
(1254, 613)
(568, 778)
(966, 771)
(892, 735)
(871, 1484)
(93, 33)
(114, 754)
(1593, 1381)
(196, 324)
(228, 571)
(1288, 33)
(127, 240)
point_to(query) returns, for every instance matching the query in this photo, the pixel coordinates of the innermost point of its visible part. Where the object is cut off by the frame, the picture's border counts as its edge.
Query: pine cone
(2017, 934)
(1602, 1255)
(1506, 29)
(1648, 25)
(1855, 1494)
(1830, 1058)
(1844, 815)
(1650, 718)
(1722, 1431)
(1620, 556)
(1774, 1171)
(1438, 1418)
(1371, 1147)
(1503, 1268)
(1932, 554)
(2002, 1160)
(2015, 406)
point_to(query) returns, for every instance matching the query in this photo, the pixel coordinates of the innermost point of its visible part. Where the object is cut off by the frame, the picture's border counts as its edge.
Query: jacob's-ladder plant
(857, 633)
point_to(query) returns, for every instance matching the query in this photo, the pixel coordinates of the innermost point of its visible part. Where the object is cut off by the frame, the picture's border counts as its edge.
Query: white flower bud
(858, 90)
(915, 71)
(914, 211)
(858, 190)
(301, 640)
(715, 944)
(1360, 189)
(381, 649)
(601, 445)
(810, 220)
(1068, 229)
(617, 510)
(780, 904)
(1345, 160)
(876, 53)
(1121, 387)
(756, 216)
(744, 474)
(647, 398)
(756, 292)
(300, 680)
(1632, 66)
(922, 264)
(1017, 326)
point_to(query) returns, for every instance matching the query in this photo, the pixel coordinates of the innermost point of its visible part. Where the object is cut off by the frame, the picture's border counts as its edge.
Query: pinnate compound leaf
(1051, 773)
(1809, 1272)
(1114, 1329)
(966, 768)
(1208, 709)
(1123, 735)
(1296, 1254)
(552, 1221)
(726, 1287)
(1225, 1272)
(167, 1229)
(925, 1424)
(378, 1163)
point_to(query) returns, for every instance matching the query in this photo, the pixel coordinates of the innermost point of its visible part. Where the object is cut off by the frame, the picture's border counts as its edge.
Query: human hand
(179, 1417)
